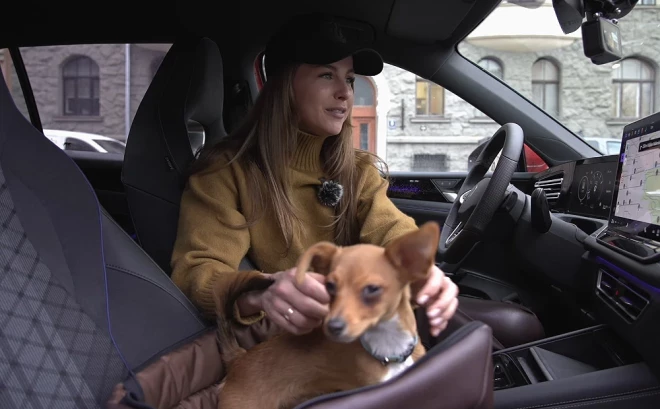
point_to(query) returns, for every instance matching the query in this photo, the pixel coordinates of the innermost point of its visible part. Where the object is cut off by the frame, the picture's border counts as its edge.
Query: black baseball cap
(318, 39)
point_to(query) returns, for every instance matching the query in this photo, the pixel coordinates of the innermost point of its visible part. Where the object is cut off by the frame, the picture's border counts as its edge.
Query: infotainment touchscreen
(636, 204)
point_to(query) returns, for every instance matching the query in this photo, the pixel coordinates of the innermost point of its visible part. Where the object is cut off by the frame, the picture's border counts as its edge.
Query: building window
(430, 98)
(425, 162)
(545, 86)
(647, 2)
(492, 66)
(364, 137)
(633, 82)
(363, 92)
(80, 80)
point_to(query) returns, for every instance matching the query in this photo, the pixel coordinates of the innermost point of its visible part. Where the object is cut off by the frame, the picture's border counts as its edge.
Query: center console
(613, 206)
(577, 353)
(592, 367)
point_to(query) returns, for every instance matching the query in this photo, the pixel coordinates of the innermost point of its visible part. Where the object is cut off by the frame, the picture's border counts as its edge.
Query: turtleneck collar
(307, 156)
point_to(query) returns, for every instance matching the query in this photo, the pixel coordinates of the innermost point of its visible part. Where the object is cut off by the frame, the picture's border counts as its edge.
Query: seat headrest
(188, 85)
(204, 98)
(191, 78)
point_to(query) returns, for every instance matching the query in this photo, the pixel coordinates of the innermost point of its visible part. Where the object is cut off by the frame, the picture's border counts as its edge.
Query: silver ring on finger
(288, 314)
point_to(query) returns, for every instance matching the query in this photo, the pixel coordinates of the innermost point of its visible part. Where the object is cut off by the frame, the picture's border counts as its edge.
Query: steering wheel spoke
(480, 197)
(454, 233)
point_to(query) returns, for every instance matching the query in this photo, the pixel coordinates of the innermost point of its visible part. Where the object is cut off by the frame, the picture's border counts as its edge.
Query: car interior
(575, 244)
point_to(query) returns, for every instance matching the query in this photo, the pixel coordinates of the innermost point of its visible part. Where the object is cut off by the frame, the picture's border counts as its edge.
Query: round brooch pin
(330, 192)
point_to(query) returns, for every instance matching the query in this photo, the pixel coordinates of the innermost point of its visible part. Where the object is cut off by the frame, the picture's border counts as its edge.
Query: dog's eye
(331, 288)
(371, 292)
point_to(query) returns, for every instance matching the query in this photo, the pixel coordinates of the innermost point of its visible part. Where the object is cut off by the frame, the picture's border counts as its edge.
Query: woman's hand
(440, 297)
(297, 309)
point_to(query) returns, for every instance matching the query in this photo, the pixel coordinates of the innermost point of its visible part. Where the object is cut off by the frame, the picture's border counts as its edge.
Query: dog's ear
(413, 254)
(318, 257)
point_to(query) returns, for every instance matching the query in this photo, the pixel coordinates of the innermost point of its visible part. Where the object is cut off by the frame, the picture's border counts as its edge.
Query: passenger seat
(81, 304)
(188, 86)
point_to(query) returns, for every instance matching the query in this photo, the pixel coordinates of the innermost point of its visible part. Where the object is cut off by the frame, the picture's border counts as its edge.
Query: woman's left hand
(440, 297)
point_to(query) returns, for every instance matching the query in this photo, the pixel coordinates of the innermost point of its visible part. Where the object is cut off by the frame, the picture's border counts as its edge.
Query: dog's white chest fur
(387, 339)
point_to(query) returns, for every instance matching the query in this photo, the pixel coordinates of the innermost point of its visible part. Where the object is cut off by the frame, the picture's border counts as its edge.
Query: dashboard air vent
(552, 186)
(621, 296)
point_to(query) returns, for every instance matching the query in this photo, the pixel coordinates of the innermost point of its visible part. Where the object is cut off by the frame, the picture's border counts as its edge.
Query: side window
(421, 127)
(83, 91)
(416, 125)
(11, 79)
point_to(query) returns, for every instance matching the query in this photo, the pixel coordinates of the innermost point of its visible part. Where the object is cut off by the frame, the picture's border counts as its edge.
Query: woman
(257, 192)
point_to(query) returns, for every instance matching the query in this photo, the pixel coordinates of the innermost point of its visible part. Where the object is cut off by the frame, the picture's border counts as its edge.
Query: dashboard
(592, 187)
(606, 234)
(583, 187)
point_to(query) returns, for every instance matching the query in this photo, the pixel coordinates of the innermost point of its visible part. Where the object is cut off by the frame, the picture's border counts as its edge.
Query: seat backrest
(455, 374)
(80, 302)
(188, 86)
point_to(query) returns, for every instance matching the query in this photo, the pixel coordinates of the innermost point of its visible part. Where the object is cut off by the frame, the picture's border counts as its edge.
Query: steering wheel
(480, 197)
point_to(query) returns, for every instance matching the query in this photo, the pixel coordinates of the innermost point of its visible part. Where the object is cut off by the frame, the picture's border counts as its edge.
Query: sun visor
(427, 21)
(356, 32)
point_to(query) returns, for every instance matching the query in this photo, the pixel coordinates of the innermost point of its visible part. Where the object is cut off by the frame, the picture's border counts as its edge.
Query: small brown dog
(369, 335)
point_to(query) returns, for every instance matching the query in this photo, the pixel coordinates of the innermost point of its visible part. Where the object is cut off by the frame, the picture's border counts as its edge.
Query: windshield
(526, 48)
(111, 146)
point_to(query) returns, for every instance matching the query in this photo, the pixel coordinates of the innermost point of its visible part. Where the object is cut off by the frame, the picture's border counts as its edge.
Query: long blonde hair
(265, 143)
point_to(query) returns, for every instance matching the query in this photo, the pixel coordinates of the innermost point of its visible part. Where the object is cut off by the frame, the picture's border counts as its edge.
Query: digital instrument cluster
(592, 187)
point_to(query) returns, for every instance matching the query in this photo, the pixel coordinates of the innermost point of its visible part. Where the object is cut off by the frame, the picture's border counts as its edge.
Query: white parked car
(82, 141)
(606, 146)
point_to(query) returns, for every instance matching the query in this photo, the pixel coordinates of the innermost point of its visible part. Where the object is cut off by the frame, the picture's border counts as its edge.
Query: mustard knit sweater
(206, 253)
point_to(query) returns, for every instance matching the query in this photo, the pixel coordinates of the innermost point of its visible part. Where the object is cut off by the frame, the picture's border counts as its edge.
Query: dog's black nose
(336, 326)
